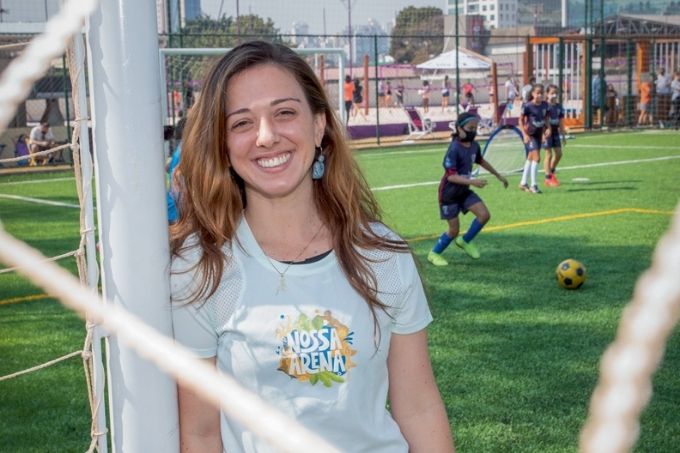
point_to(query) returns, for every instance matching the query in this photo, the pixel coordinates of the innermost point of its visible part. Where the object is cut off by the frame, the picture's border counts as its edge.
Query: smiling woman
(283, 274)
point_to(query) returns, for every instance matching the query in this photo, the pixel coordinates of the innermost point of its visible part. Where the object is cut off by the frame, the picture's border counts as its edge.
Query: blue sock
(474, 229)
(443, 242)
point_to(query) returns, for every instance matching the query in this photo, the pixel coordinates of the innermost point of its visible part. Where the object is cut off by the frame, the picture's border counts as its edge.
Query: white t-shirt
(309, 350)
(675, 86)
(663, 84)
(526, 92)
(510, 90)
(37, 134)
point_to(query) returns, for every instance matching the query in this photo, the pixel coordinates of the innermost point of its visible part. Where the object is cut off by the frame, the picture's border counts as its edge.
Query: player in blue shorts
(455, 195)
(552, 142)
(532, 123)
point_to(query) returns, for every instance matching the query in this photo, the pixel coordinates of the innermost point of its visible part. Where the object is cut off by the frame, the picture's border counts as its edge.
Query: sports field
(515, 356)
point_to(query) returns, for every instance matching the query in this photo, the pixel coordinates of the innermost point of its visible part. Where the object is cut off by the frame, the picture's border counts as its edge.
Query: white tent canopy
(447, 60)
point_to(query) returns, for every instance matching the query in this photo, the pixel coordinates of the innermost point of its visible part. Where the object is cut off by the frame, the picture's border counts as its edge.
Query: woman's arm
(199, 422)
(416, 404)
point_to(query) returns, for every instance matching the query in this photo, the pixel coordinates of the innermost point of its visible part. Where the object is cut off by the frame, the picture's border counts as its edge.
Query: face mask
(469, 136)
(552, 96)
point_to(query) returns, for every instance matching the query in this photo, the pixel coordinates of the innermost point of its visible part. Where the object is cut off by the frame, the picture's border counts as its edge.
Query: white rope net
(627, 366)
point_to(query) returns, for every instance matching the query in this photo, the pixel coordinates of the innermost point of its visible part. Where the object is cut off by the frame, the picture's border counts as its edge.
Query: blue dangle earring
(318, 168)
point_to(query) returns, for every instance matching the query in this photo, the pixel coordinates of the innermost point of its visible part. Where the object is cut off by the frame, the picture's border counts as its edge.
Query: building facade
(496, 13)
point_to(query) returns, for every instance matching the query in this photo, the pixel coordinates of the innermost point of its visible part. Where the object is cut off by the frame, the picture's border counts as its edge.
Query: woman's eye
(286, 112)
(239, 124)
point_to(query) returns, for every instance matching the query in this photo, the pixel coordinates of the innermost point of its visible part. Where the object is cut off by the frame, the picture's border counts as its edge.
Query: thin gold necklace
(282, 274)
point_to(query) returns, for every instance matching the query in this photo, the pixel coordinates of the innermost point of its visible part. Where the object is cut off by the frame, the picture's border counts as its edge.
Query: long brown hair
(212, 196)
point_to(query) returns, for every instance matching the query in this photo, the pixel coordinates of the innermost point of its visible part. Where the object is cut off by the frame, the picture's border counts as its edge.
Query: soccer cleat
(524, 187)
(555, 181)
(535, 189)
(468, 247)
(551, 181)
(436, 259)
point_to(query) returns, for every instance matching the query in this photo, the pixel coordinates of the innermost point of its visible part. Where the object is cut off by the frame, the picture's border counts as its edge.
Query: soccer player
(532, 124)
(455, 195)
(552, 143)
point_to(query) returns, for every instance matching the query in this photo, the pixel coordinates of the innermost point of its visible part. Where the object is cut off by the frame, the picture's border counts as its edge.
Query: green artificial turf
(516, 357)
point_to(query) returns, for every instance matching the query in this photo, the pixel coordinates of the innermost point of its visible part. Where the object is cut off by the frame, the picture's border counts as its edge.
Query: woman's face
(271, 131)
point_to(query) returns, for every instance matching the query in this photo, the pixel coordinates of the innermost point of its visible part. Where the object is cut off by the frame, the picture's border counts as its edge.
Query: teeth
(274, 161)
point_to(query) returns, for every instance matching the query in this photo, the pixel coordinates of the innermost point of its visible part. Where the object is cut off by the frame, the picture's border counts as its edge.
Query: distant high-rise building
(497, 13)
(191, 9)
(169, 13)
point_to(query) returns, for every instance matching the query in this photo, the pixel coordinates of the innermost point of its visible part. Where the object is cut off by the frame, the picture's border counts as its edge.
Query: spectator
(526, 91)
(41, 140)
(358, 98)
(425, 95)
(595, 93)
(21, 150)
(510, 90)
(388, 95)
(446, 92)
(511, 93)
(675, 100)
(611, 105)
(663, 95)
(399, 92)
(645, 101)
(468, 94)
(382, 89)
(348, 93)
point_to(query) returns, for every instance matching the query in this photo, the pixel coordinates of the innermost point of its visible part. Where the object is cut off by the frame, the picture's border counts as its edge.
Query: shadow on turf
(586, 186)
(515, 355)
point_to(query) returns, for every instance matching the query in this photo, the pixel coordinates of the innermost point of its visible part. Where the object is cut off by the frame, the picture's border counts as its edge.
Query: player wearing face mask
(455, 195)
(552, 143)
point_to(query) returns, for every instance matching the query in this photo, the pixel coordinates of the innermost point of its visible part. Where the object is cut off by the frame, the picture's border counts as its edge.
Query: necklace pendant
(282, 284)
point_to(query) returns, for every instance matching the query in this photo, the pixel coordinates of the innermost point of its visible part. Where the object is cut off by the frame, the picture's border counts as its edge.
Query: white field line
(573, 167)
(39, 201)
(442, 149)
(35, 181)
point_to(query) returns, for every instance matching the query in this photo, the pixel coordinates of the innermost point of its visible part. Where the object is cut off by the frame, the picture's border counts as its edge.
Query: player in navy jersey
(533, 126)
(455, 195)
(552, 143)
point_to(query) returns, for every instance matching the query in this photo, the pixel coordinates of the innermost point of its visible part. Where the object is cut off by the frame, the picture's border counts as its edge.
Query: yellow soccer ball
(571, 274)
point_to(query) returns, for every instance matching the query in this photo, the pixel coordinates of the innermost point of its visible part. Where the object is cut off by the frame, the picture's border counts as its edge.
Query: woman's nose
(266, 134)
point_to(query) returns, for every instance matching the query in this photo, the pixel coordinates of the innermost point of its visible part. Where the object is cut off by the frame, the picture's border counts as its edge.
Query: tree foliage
(224, 32)
(417, 35)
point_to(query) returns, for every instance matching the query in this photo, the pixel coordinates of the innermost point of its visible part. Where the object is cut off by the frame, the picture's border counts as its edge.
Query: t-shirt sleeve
(193, 321)
(35, 134)
(450, 160)
(526, 111)
(412, 312)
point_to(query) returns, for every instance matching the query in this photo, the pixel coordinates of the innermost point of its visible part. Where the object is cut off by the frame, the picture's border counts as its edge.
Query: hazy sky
(285, 12)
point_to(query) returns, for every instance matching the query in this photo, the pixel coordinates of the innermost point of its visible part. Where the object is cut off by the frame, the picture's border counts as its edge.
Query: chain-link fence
(614, 64)
(49, 100)
(604, 81)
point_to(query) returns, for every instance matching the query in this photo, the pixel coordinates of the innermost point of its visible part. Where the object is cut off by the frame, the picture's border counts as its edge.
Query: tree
(224, 32)
(184, 72)
(417, 35)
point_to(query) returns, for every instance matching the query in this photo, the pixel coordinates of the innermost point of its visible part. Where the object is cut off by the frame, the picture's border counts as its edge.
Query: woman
(446, 91)
(348, 93)
(283, 274)
(425, 95)
(358, 98)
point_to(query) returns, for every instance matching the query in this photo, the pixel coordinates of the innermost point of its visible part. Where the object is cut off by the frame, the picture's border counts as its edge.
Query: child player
(455, 195)
(532, 124)
(552, 144)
